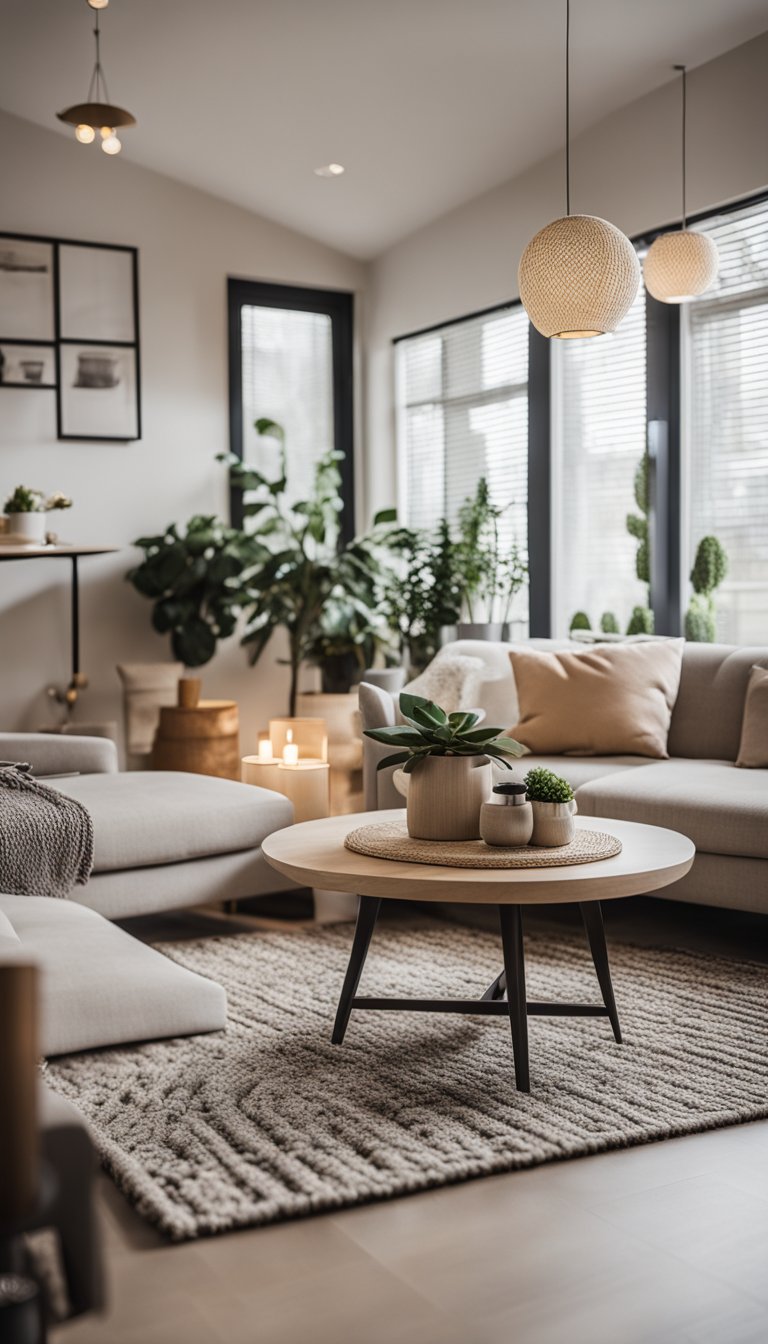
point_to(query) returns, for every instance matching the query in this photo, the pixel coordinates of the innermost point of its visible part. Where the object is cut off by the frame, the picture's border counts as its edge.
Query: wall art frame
(74, 305)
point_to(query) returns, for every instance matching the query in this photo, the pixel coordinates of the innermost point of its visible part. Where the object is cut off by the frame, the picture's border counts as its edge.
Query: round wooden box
(204, 740)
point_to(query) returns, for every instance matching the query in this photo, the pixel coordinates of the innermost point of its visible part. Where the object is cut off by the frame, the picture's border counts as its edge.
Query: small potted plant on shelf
(446, 761)
(25, 510)
(553, 807)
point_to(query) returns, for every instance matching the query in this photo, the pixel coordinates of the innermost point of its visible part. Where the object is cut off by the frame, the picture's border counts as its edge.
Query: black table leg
(592, 915)
(497, 989)
(511, 920)
(367, 914)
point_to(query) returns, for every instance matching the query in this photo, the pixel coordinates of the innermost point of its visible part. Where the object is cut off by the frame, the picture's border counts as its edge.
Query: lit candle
(265, 749)
(290, 750)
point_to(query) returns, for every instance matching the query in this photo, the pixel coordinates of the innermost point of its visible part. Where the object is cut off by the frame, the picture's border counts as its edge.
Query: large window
(291, 361)
(598, 442)
(725, 421)
(462, 398)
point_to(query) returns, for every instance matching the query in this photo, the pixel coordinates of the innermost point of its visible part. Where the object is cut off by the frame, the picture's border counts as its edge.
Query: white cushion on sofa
(100, 986)
(144, 818)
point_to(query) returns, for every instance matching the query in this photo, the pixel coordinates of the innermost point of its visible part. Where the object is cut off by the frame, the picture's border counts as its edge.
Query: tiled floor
(652, 1245)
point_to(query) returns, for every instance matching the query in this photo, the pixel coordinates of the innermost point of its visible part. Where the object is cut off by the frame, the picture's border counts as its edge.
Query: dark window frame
(339, 305)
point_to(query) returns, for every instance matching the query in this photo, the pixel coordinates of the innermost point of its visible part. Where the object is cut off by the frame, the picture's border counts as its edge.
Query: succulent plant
(543, 786)
(609, 624)
(641, 621)
(580, 621)
(429, 731)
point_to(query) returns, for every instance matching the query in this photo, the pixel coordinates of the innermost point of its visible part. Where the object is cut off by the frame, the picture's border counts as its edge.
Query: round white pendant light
(681, 265)
(578, 276)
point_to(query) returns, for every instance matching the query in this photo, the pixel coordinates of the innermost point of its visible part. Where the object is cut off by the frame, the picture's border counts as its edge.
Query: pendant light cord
(98, 78)
(683, 71)
(567, 107)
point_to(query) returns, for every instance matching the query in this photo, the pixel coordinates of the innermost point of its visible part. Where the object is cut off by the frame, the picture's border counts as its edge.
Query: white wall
(626, 168)
(189, 243)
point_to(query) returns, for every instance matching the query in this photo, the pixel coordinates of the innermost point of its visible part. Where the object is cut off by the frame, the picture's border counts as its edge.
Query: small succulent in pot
(544, 786)
(429, 731)
(553, 807)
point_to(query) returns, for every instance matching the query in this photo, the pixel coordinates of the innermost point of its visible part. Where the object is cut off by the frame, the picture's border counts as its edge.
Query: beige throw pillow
(614, 700)
(753, 747)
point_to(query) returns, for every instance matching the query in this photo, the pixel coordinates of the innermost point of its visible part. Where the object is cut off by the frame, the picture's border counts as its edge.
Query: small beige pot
(553, 823)
(444, 797)
(28, 527)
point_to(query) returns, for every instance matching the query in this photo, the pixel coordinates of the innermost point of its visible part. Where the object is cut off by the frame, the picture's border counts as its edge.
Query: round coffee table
(313, 853)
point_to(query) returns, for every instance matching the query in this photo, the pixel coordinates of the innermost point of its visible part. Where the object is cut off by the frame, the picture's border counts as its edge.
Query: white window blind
(725, 335)
(287, 373)
(598, 439)
(462, 401)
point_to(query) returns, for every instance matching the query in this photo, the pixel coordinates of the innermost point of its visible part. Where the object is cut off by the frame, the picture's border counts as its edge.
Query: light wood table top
(28, 551)
(313, 854)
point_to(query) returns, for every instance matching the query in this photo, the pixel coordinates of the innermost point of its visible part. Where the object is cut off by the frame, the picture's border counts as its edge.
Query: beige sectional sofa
(699, 790)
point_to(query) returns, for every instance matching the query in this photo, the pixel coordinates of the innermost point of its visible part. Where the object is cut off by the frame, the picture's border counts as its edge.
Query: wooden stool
(204, 740)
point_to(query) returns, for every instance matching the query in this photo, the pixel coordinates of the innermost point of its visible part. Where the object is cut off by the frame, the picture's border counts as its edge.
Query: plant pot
(391, 679)
(28, 527)
(445, 794)
(553, 823)
(492, 630)
(339, 672)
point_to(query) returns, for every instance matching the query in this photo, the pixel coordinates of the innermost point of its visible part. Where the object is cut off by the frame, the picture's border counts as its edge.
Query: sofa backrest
(706, 719)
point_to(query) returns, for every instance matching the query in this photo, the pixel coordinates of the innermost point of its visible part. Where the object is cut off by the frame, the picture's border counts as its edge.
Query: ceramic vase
(445, 795)
(553, 823)
(28, 527)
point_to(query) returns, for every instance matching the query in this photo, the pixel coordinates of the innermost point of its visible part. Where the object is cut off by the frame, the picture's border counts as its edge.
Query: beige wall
(626, 169)
(189, 243)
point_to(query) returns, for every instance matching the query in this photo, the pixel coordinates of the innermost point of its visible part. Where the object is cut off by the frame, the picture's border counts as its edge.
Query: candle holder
(309, 736)
(305, 783)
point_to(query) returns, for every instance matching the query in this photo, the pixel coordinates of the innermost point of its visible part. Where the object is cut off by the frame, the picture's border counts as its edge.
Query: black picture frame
(63, 345)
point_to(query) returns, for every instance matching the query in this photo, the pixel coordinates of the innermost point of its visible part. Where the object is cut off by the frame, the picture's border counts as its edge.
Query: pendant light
(97, 115)
(579, 275)
(683, 264)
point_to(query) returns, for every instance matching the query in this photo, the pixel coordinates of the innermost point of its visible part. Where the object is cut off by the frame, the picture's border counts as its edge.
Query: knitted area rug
(269, 1121)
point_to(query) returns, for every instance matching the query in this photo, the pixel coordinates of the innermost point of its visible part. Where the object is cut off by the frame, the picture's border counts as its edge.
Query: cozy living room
(384, 696)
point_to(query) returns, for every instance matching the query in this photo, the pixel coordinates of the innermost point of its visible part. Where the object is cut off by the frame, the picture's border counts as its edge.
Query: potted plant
(709, 569)
(421, 594)
(26, 510)
(446, 759)
(553, 807)
(641, 620)
(195, 580)
(488, 574)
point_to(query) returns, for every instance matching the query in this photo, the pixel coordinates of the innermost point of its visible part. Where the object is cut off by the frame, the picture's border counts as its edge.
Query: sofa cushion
(606, 700)
(721, 809)
(706, 719)
(753, 745)
(578, 770)
(100, 986)
(9, 938)
(145, 818)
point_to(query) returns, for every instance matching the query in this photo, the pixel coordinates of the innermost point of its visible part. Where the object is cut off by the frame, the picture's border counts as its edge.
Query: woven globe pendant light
(578, 276)
(681, 265)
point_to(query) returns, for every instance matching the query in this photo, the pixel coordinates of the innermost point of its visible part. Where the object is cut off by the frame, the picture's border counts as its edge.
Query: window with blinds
(725, 420)
(462, 404)
(598, 440)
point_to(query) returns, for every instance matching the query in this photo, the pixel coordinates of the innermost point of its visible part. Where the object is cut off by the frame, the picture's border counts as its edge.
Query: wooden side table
(204, 740)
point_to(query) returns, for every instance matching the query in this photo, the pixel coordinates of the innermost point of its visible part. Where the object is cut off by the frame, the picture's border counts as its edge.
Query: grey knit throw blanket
(46, 838)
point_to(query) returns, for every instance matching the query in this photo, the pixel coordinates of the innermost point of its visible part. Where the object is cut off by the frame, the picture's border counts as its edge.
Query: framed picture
(96, 293)
(98, 391)
(26, 289)
(69, 322)
(27, 365)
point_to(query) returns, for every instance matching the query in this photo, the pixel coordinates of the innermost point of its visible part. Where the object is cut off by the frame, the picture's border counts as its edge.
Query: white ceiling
(426, 102)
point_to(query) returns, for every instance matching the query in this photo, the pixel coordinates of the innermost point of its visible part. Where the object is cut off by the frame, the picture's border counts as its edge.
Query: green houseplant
(421, 594)
(553, 804)
(26, 509)
(709, 569)
(447, 759)
(580, 621)
(488, 573)
(641, 620)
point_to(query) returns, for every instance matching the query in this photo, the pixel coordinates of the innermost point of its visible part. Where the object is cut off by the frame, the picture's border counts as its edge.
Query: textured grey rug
(270, 1121)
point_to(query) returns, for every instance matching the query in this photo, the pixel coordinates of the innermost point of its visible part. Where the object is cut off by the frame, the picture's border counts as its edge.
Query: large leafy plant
(429, 731)
(195, 579)
(488, 573)
(421, 594)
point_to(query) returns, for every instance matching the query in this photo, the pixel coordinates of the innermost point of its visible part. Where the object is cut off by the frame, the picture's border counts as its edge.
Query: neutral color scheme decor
(703, 745)
(553, 823)
(680, 266)
(163, 840)
(648, 859)
(305, 784)
(507, 819)
(445, 794)
(204, 739)
(270, 1121)
(753, 746)
(600, 701)
(390, 840)
(579, 275)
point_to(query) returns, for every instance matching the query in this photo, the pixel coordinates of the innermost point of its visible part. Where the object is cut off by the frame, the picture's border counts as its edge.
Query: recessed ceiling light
(330, 170)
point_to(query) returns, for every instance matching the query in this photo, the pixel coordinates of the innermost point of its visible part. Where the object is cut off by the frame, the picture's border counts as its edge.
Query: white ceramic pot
(553, 823)
(29, 527)
(445, 795)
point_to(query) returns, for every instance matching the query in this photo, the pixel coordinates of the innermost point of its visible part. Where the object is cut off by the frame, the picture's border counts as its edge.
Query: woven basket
(390, 840)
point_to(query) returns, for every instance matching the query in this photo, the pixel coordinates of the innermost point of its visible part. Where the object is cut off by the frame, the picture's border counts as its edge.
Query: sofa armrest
(54, 754)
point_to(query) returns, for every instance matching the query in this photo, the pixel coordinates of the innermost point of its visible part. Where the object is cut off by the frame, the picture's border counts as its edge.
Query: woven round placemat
(390, 840)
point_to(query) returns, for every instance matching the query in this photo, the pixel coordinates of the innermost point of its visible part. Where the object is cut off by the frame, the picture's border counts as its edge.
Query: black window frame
(339, 305)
